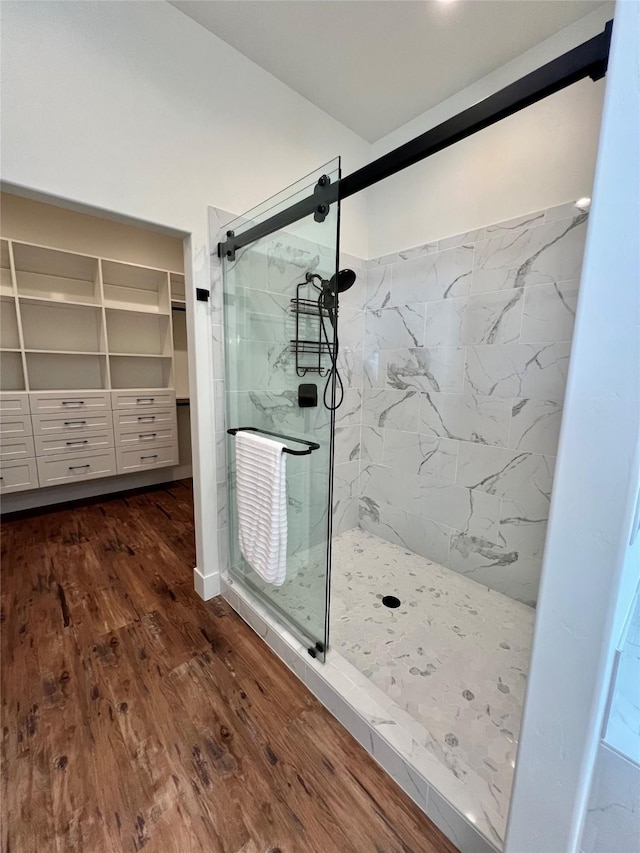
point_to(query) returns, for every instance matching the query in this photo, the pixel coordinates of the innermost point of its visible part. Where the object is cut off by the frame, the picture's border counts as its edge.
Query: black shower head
(346, 279)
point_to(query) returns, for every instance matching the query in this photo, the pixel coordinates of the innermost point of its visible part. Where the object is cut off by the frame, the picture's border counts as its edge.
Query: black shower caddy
(310, 349)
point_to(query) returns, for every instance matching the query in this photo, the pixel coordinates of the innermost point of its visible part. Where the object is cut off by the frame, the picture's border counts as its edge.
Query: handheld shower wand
(328, 302)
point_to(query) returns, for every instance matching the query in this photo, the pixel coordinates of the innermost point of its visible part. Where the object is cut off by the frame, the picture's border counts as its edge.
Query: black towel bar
(310, 444)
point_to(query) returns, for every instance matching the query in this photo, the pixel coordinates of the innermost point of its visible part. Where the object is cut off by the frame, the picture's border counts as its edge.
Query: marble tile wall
(349, 415)
(454, 358)
(465, 351)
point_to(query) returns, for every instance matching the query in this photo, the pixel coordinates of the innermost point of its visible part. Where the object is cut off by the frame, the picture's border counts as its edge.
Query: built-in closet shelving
(77, 334)
(178, 313)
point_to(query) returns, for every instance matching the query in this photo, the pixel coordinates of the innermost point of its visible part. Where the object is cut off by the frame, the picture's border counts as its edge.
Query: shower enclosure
(442, 473)
(454, 357)
(277, 353)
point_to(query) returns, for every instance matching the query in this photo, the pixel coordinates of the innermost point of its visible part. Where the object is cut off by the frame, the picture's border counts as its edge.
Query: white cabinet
(151, 457)
(14, 426)
(145, 436)
(142, 437)
(17, 475)
(70, 422)
(13, 404)
(142, 399)
(17, 448)
(86, 366)
(133, 418)
(73, 442)
(70, 404)
(55, 470)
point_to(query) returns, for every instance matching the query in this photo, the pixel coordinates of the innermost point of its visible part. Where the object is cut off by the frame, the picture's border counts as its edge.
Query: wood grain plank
(137, 716)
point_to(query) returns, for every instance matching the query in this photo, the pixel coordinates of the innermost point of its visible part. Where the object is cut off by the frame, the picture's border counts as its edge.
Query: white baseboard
(207, 586)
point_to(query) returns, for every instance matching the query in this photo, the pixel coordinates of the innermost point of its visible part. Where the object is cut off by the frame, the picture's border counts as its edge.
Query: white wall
(136, 109)
(540, 157)
(586, 578)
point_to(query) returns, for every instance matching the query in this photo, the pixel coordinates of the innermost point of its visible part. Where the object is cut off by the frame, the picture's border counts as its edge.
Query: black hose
(333, 354)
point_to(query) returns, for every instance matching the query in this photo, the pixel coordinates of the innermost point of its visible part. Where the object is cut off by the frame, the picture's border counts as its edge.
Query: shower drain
(391, 601)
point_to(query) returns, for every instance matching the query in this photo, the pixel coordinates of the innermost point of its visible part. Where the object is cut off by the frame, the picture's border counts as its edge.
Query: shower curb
(371, 718)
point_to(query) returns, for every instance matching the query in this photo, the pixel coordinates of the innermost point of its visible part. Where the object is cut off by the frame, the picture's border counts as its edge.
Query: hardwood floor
(136, 715)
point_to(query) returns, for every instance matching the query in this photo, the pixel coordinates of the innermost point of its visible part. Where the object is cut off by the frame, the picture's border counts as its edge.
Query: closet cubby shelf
(48, 300)
(117, 309)
(65, 352)
(58, 276)
(141, 289)
(70, 320)
(138, 355)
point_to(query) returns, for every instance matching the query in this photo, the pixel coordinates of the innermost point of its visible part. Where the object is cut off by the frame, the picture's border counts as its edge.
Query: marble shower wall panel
(466, 349)
(348, 444)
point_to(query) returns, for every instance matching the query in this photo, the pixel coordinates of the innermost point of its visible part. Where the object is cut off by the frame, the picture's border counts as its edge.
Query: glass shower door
(275, 342)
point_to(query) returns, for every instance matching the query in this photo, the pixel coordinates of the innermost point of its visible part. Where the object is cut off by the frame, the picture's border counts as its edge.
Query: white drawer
(144, 435)
(44, 402)
(148, 398)
(53, 470)
(72, 442)
(17, 448)
(148, 457)
(18, 475)
(15, 426)
(147, 418)
(71, 422)
(14, 403)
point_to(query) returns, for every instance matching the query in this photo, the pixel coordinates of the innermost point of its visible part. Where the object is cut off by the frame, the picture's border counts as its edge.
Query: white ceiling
(376, 64)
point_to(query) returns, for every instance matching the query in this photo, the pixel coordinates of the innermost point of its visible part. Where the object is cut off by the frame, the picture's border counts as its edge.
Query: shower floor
(454, 655)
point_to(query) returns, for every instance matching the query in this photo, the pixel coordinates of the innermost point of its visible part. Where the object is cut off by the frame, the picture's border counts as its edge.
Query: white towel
(262, 505)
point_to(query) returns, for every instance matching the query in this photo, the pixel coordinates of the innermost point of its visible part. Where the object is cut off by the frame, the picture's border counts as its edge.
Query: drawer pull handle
(153, 456)
(80, 441)
(73, 402)
(147, 435)
(146, 418)
(74, 423)
(145, 399)
(1, 478)
(76, 467)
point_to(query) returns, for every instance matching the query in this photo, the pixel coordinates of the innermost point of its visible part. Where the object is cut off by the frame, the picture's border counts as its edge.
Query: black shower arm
(311, 275)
